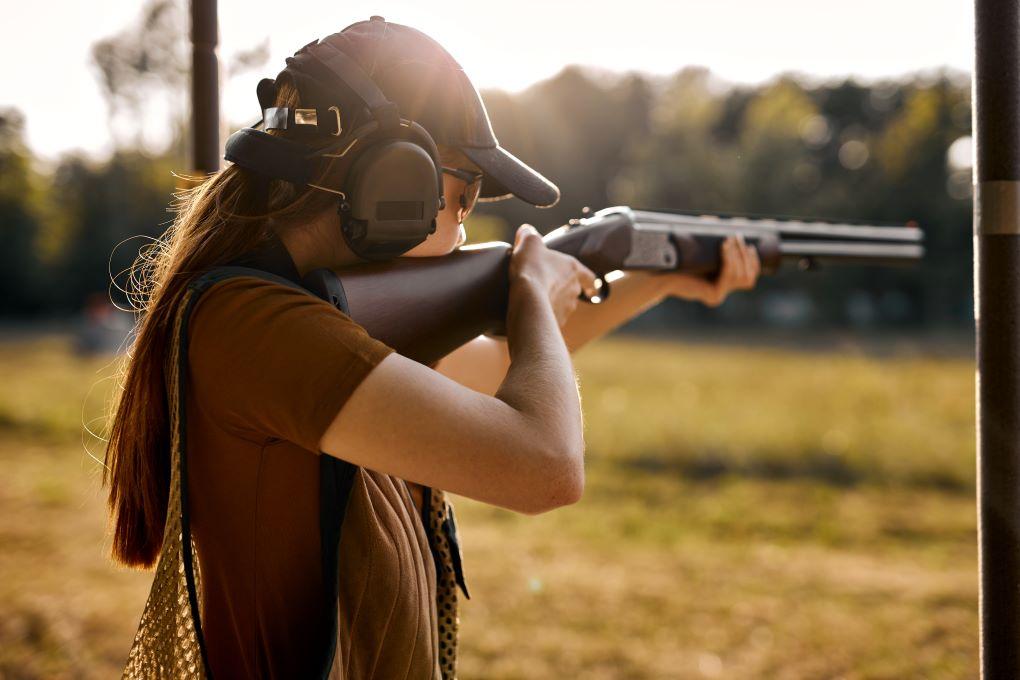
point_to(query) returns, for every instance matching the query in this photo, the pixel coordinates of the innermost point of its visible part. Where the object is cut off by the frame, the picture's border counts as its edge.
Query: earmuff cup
(393, 191)
(394, 200)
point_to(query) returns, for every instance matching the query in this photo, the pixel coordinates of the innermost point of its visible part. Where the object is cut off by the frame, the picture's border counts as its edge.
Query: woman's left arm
(482, 363)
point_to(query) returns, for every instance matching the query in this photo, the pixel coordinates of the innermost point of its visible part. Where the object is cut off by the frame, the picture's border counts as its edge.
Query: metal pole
(996, 102)
(205, 95)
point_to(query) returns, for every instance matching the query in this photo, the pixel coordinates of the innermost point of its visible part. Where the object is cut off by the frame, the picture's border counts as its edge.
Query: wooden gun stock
(426, 307)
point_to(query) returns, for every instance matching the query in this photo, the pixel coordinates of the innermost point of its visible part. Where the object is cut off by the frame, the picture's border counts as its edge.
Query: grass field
(749, 513)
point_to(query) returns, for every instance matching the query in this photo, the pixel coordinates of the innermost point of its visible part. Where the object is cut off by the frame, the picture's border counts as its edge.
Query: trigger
(601, 292)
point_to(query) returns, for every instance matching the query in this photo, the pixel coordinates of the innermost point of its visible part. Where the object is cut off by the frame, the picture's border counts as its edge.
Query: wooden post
(996, 102)
(205, 95)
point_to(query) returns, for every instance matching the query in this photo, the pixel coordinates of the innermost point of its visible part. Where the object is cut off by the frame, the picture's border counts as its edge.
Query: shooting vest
(169, 641)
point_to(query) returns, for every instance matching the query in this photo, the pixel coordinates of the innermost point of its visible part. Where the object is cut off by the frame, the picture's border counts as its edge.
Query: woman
(279, 382)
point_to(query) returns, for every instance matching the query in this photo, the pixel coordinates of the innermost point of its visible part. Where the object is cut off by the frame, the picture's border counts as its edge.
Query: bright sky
(508, 45)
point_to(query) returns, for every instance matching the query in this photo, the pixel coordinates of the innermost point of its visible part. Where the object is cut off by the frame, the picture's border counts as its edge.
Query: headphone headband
(349, 73)
(270, 156)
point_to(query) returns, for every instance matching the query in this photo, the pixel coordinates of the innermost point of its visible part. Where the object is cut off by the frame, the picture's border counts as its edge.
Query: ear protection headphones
(394, 187)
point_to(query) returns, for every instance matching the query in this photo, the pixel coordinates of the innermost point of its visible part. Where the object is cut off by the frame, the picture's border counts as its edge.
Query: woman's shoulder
(241, 313)
(275, 359)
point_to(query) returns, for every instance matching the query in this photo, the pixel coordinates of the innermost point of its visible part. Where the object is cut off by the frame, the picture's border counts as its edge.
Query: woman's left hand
(740, 269)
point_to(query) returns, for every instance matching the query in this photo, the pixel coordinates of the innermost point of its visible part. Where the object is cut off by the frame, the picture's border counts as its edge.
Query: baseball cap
(428, 86)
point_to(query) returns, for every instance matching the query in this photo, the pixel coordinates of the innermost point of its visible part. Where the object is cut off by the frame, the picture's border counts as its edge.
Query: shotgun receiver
(426, 307)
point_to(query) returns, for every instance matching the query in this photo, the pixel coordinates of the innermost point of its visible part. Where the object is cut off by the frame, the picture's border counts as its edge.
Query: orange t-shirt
(269, 368)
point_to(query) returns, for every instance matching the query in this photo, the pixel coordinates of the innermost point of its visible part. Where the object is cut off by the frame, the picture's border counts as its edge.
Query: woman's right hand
(521, 448)
(560, 277)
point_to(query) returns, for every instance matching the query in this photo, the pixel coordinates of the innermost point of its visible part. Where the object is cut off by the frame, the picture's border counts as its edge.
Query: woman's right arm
(522, 448)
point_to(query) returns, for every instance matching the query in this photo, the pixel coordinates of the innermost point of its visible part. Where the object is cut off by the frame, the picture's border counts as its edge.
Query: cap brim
(506, 175)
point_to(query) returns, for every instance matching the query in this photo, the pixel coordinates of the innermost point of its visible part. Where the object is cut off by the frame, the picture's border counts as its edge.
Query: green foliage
(21, 266)
(113, 209)
(484, 228)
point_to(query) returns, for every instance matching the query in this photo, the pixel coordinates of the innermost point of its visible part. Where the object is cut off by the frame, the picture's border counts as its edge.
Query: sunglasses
(472, 187)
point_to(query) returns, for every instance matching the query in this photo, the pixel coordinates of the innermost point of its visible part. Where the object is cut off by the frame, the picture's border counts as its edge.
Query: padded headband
(260, 152)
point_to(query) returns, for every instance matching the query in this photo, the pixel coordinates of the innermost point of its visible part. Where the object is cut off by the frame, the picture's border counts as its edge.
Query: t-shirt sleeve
(268, 360)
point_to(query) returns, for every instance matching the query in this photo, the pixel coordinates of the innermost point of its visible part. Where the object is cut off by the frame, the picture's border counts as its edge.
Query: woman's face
(449, 233)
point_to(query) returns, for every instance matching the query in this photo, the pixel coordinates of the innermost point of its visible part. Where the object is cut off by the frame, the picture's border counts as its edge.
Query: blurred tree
(678, 163)
(115, 208)
(147, 65)
(141, 65)
(916, 183)
(22, 269)
(775, 168)
(576, 128)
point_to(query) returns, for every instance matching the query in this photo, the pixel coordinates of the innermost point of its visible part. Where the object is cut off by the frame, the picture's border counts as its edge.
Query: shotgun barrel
(663, 241)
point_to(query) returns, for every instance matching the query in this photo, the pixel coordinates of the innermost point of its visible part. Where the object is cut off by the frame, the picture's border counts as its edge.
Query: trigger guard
(603, 292)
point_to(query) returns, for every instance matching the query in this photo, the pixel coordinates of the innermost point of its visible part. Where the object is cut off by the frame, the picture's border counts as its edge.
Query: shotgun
(426, 307)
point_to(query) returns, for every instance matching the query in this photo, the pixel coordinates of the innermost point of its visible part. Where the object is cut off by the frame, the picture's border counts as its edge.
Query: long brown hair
(223, 217)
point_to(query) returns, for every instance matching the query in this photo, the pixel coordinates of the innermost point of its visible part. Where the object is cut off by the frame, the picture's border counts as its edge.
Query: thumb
(522, 231)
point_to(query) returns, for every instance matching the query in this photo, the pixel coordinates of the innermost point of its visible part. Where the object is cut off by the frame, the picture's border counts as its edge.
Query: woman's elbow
(559, 485)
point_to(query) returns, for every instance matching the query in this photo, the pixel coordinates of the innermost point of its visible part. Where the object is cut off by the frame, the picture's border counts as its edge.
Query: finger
(726, 270)
(523, 231)
(754, 266)
(519, 235)
(750, 253)
(736, 261)
(747, 254)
